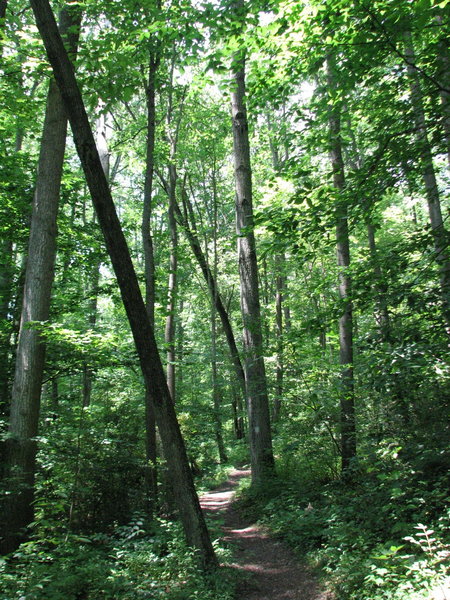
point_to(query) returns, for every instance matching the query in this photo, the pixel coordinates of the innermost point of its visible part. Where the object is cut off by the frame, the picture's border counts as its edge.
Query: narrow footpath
(272, 570)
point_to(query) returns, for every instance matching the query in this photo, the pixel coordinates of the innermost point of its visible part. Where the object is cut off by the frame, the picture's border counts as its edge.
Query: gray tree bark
(151, 474)
(280, 287)
(214, 371)
(173, 125)
(146, 232)
(347, 396)
(440, 234)
(10, 307)
(169, 334)
(262, 461)
(152, 370)
(21, 446)
(94, 272)
(191, 234)
(381, 313)
(6, 316)
(279, 297)
(443, 76)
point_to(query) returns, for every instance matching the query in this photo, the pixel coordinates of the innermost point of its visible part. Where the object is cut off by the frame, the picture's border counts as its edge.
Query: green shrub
(139, 560)
(366, 533)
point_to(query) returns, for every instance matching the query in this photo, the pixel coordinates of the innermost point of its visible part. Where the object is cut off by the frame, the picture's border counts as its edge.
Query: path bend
(274, 572)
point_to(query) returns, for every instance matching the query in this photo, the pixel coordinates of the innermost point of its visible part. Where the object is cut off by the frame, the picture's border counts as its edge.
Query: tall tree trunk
(94, 281)
(191, 234)
(347, 396)
(382, 320)
(9, 309)
(151, 475)
(381, 313)
(443, 76)
(429, 178)
(94, 275)
(6, 301)
(262, 461)
(215, 382)
(147, 238)
(3, 5)
(179, 335)
(216, 390)
(173, 126)
(21, 446)
(173, 444)
(280, 286)
(169, 336)
(6, 289)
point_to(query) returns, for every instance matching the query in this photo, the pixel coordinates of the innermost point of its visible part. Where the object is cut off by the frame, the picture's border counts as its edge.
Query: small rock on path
(274, 573)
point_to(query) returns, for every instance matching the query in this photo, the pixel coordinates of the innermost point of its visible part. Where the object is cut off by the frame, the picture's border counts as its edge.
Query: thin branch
(378, 23)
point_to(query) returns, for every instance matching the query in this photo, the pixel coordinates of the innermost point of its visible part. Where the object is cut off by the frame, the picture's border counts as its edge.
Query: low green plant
(139, 560)
(409, 575)
(366, 534)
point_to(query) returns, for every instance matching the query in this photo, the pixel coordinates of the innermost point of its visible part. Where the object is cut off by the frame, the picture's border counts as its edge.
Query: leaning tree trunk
(218, 430)
(429, 178)
(191, 234)
(21, 446)
(262, 461)
(347, 395)
(144, 338)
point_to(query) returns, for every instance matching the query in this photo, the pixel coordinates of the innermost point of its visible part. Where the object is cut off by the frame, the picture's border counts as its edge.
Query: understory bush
(382, 534)
(137, 561)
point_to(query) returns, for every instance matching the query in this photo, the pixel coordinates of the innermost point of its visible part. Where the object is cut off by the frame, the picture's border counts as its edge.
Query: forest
(224, 242)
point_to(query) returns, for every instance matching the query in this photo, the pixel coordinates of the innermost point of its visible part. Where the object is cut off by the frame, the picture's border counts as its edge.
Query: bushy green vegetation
(91, 538)
(138, 560)
(383, 533)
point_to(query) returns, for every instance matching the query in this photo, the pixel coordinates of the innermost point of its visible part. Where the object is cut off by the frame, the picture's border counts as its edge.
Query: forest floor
(271, 570)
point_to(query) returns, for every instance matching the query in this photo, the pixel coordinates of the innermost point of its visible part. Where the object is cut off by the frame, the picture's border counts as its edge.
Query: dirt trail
(274, 573)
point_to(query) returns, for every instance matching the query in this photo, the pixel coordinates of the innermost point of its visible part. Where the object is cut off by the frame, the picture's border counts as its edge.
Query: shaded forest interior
(224, 241)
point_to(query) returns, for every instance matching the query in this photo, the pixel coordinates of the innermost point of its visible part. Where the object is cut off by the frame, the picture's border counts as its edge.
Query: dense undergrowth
(90, 539)
(383, 533)
(137, 561)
